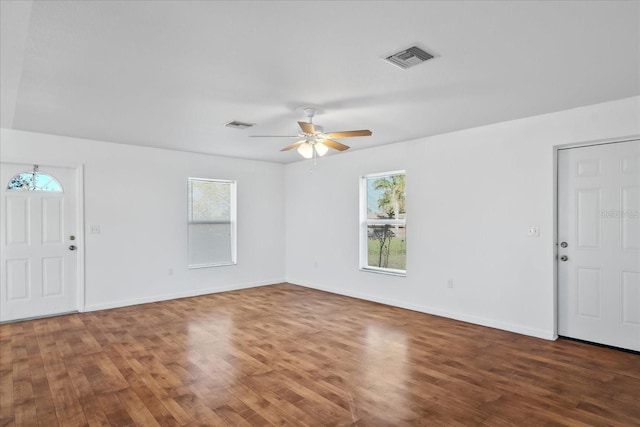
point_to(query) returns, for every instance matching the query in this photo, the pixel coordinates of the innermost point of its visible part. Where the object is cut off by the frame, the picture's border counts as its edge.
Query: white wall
(138, 197)
(471, 197)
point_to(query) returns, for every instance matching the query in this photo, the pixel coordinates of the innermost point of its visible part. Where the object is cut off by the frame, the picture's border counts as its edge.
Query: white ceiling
(171, 73)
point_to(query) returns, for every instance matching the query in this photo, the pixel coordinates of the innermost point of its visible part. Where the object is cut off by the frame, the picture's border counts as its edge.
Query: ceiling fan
(313, 140)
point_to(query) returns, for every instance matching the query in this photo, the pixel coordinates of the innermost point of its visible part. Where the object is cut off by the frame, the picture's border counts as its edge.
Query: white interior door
(599, 244)
(38, 230)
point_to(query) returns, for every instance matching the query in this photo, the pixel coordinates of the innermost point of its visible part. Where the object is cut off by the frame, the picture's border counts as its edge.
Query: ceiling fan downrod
(310, 112)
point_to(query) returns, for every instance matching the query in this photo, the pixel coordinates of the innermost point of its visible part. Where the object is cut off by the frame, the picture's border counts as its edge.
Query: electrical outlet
(94, 229)
(534, 231)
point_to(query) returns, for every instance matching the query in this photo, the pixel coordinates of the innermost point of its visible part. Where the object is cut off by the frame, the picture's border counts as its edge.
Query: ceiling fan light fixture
(321, 149)
(306, 150)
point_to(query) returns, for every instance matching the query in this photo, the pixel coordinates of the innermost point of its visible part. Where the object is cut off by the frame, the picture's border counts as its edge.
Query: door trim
(556, 150)
(80, 273)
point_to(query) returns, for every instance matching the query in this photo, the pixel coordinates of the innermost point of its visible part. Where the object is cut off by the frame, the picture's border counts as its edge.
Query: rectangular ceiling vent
(409, 57)
(238, 125)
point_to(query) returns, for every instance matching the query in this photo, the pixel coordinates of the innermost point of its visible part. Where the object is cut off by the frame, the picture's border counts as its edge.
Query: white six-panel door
(39, 270)
(599, 244)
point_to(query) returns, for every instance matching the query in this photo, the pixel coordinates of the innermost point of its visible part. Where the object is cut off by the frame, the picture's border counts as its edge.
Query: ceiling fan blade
(307, 127)
(349, 133)
(294, 145)
(335, 145)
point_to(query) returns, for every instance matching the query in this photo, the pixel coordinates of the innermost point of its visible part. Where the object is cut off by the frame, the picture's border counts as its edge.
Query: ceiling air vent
(409, 57)
(238, 125)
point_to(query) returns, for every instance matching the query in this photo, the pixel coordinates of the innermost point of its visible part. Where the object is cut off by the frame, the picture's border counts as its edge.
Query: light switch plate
(94, 229)
(534, 231)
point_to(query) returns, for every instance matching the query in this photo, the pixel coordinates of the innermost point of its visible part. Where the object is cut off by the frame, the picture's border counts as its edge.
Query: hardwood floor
(287, 355)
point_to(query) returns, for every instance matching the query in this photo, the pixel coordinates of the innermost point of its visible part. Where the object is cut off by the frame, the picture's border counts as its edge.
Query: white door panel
(39, 271)
(599, 221)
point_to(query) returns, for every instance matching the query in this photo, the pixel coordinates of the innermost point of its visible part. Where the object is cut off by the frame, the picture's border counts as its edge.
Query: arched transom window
(34, 181)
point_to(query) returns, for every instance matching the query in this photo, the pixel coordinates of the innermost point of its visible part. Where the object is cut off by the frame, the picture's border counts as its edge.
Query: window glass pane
(385, 197)
(31, 181)
(210, 201)
(387, 246)
(211, 222)
(209, 244)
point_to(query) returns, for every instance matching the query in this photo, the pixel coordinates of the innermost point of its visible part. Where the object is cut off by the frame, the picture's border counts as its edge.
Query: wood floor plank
(114, 409)
(136, 408)
(90, 406)
(287, 355)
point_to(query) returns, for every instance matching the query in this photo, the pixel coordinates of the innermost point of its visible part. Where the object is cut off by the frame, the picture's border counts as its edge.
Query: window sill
(388, 272)
(196, 266)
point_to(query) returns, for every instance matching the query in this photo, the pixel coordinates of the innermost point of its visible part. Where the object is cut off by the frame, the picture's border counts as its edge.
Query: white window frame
(232, 221)
(365, 222)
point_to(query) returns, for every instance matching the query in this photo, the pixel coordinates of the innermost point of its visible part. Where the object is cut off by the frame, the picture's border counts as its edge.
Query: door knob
(564, 258)
(72, 248)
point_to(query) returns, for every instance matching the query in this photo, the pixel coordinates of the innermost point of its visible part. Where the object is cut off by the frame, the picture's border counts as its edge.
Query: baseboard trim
(510, 327)
(177, 295)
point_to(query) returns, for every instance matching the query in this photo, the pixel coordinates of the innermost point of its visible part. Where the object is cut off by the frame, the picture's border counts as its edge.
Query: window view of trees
(386, 232)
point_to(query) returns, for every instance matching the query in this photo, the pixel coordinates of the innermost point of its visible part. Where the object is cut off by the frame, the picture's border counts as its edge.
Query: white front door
(38, 230)
(599, 244)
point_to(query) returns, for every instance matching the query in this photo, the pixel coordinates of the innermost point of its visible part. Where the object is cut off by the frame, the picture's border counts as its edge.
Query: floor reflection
(385, 366)
(210, 350)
